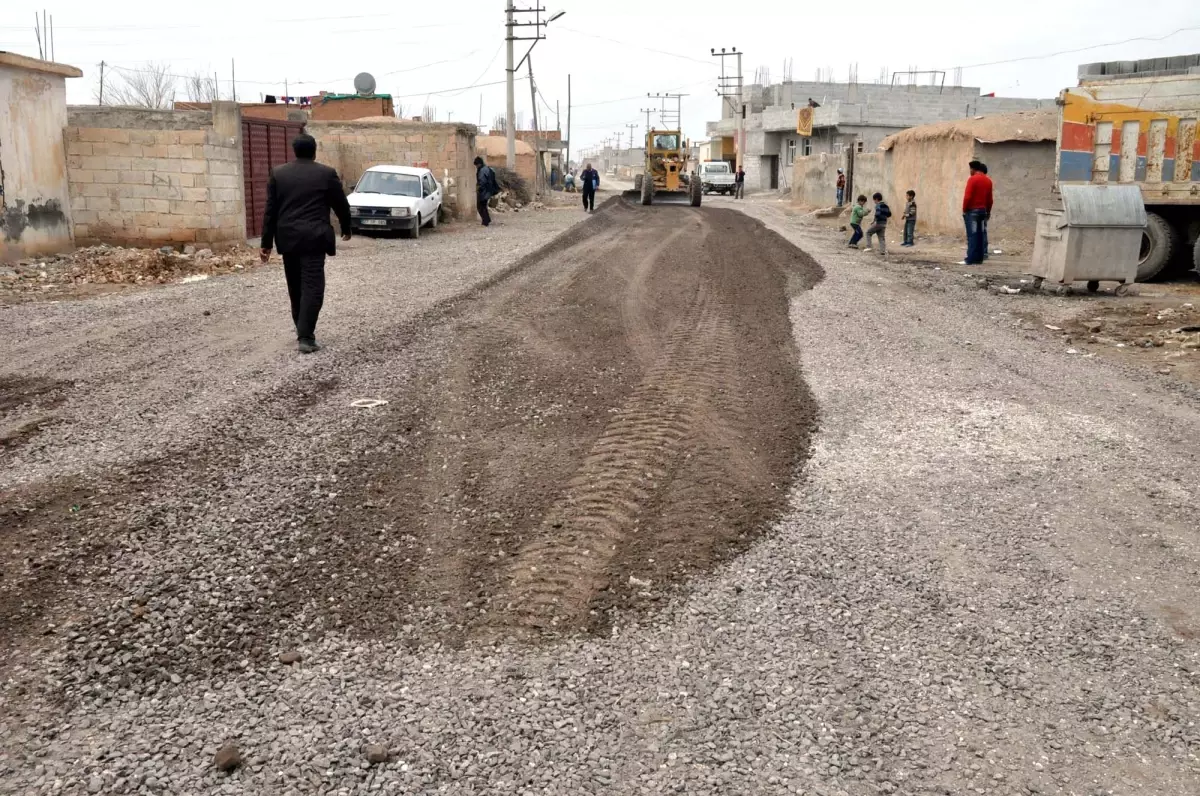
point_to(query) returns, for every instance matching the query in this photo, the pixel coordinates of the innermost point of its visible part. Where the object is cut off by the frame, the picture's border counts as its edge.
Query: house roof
(36, 65)
(494, 146)
(1031, 126)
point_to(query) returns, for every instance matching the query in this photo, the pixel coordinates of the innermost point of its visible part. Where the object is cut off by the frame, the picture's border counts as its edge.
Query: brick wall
(153, 178)
(348, 108)
(448, 150)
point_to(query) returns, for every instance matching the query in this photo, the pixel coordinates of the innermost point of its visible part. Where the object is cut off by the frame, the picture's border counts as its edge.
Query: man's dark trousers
(305, 273)
(974, 220)
(481, 202)
(589, 197)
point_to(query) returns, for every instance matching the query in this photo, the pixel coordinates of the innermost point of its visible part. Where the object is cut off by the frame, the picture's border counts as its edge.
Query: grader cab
(665, 174)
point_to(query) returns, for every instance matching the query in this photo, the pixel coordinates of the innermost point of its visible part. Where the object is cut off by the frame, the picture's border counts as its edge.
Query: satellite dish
(364, 83)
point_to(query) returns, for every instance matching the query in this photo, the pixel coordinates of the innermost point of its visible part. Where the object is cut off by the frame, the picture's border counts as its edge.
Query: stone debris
(227, 757)
(376, 753)
(119, 265)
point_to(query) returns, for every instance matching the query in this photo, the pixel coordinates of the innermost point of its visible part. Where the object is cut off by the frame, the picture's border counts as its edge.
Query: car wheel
(415, 232)
(433, 219)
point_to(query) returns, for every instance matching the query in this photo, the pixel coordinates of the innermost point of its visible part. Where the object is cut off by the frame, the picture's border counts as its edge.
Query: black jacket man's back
(299, 198)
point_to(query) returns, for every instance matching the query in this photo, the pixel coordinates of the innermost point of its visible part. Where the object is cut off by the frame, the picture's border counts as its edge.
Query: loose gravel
(985, 583)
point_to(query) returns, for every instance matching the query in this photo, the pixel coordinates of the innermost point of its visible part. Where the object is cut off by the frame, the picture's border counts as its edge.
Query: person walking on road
(739, 183)
(841, 188)
(300, 195)
(878, 227)
(977, 206)
(485, 188)
(589, 180)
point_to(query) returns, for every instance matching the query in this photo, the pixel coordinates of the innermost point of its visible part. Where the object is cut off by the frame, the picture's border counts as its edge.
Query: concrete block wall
(814, 179)
(447, 150)
(153, 178)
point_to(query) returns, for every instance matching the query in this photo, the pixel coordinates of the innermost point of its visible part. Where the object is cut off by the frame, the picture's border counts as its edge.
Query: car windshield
(716, 168)
(389, 184)
(666, 142)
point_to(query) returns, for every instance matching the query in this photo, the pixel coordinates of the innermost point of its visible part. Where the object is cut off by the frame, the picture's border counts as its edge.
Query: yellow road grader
(665, 174)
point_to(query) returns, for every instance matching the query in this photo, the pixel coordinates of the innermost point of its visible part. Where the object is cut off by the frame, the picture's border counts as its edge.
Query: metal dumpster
(1096, 237)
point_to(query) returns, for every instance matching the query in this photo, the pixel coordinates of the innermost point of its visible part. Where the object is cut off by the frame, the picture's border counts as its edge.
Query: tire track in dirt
(555, 578)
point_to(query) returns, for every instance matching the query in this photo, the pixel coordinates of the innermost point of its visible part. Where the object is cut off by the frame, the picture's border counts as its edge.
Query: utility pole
(730, 87)
(568, 164)
(672, 120)
(647, 111)
(631, 127)
(537, 148)
(100, 100)
(510, 36)
(233, 78)
(618, 135)
(510, 119)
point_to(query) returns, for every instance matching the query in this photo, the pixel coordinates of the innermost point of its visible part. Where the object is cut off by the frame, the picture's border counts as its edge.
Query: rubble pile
(118, 265)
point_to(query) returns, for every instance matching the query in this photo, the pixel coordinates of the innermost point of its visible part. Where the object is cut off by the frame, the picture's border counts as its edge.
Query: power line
(635, 46)
(1083, 49)
(292, 81)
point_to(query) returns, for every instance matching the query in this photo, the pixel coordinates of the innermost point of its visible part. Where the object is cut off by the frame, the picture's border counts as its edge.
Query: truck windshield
(715, 168)
(390, 184)
(666, 142)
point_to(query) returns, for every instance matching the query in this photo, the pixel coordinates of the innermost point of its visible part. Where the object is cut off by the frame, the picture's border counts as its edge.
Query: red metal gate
(266, 143)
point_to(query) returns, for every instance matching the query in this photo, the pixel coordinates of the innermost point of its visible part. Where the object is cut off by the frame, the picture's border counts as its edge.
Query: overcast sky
(616, 51)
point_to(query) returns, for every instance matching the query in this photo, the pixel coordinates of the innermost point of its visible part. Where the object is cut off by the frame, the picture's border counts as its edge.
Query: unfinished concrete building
(858, 115)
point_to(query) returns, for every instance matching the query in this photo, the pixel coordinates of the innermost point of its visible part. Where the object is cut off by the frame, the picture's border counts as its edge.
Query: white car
(403, 198)
(716, 176)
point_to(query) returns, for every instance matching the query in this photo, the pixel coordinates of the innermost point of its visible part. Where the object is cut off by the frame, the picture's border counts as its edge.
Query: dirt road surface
(668, 505)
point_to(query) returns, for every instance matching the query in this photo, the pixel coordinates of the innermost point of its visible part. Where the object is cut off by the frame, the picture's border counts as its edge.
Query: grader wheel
(647, 189)
(696, 191)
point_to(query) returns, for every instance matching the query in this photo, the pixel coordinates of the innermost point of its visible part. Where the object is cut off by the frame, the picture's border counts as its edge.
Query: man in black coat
(486, 186)
(299, 198)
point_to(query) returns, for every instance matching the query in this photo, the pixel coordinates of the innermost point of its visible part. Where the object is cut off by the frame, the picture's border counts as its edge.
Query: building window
(791, 151)
(807, 147)
(859, 146)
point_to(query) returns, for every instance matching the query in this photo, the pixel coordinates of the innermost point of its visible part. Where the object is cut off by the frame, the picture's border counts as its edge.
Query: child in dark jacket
(879, 227)
(910, 218)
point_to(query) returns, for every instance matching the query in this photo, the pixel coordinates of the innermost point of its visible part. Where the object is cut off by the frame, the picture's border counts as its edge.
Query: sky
(450, 55)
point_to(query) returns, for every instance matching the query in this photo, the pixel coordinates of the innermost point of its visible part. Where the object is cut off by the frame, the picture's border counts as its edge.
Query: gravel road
(982, 581)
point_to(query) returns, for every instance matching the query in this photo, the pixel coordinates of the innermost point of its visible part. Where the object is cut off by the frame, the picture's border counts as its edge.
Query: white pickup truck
(716, 176)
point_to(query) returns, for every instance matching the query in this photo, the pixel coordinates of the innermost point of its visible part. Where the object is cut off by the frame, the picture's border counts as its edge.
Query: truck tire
(695, 193)
(637, 182)
(647, 188)
(1160, 241)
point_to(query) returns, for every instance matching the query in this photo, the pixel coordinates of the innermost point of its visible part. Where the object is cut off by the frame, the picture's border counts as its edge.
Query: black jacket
(590, 178)
(299, 198)
(485, 182)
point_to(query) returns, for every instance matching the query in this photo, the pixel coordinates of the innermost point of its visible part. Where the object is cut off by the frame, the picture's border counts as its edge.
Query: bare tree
(200, 87)
(429, 114)
(398, 109)
(150, 87)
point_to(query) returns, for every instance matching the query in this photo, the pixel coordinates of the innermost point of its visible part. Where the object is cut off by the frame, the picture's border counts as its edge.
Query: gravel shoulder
(984, 582)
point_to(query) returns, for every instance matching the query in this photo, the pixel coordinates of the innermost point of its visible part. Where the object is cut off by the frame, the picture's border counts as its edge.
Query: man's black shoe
(309, 347)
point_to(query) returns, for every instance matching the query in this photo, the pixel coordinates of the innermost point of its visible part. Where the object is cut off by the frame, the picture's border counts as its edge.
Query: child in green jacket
(856, 216)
